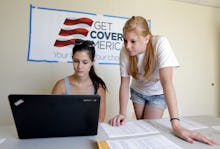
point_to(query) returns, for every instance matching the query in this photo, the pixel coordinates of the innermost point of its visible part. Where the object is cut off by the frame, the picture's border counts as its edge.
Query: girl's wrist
(122, 114)
(174, 119)
(175, 122)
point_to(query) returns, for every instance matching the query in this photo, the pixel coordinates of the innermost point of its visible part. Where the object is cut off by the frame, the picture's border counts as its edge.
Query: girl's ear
(148, 37)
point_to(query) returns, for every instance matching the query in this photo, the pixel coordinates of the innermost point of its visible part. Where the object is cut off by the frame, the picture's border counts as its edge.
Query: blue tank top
(68, 88)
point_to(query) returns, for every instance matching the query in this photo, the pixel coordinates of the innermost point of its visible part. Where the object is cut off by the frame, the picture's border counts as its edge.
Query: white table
(89, 142)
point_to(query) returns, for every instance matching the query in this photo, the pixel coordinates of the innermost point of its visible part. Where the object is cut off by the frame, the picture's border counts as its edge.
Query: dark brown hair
(89, 46)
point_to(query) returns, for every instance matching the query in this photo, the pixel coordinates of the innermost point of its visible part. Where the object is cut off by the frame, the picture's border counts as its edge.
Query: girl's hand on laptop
(118, 120)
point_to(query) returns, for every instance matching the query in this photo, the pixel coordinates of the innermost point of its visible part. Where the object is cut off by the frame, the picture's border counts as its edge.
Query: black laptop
(40, 116)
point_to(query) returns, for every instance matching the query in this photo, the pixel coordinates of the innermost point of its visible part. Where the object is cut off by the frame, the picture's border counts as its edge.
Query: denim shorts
(155, 101)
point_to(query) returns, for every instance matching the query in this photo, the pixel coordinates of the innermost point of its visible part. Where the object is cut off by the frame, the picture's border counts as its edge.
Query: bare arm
(102, 111)
(170, 96)
(120, 119)
(124, 95)
(166, 76)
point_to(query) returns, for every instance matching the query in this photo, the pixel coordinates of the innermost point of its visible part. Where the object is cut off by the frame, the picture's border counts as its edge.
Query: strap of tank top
(93, 90)
(67, 85)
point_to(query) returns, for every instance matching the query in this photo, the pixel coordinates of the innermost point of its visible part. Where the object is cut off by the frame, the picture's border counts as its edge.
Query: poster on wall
(53, 32)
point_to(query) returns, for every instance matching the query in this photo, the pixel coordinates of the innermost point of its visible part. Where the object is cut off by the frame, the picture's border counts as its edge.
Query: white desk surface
(89, 142)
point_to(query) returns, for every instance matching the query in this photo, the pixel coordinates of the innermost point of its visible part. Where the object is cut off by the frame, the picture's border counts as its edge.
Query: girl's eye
(85, 62)
(133, 41)
(75, 61)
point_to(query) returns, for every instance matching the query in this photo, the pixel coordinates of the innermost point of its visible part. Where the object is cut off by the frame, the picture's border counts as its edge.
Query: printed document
(130, 128)
(216, 128)
(186, 123)
(157, 141)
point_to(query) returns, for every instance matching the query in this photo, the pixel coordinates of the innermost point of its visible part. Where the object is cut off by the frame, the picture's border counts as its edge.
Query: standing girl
(149, 61)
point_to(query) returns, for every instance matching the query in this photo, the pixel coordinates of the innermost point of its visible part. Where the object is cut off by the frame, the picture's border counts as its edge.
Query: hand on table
(191, 136)
(185, 134)
(118, 120)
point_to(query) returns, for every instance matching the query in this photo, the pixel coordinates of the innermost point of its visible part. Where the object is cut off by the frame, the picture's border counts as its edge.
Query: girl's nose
(127, 45)
(79, 65)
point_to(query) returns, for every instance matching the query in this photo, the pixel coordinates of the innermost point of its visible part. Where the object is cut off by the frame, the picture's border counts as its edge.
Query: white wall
(194, 33)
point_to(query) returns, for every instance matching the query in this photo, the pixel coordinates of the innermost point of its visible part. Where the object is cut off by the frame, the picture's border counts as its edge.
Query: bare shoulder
(59, 87)
(101, 91)
(101, 88)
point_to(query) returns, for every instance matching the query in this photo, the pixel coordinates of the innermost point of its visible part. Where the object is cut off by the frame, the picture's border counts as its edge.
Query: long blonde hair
(140, 26)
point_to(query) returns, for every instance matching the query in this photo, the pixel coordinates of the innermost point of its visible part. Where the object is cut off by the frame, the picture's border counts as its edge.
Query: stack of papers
(146, 136)
(150, 142)
(131, 128)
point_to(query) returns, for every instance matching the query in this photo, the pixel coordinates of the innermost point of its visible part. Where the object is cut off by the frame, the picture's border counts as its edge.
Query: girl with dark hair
(84, 80)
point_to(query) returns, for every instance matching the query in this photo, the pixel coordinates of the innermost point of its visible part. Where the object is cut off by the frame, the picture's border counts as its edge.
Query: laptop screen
(39, 116)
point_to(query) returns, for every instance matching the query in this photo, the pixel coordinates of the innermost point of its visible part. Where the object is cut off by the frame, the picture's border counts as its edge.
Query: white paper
(131, 128)
(2, 140)
(149, 142)
(184, 122)
(216, 127)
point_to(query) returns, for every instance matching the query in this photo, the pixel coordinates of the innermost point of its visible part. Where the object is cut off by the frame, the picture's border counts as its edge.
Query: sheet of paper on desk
(157, 141)
(131, 128)
(2, 140)
(186, 123)
(216, 128)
